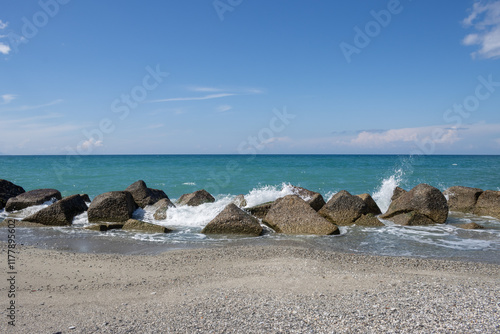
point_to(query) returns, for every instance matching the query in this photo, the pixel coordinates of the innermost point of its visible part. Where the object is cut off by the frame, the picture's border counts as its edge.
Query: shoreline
(272, 288)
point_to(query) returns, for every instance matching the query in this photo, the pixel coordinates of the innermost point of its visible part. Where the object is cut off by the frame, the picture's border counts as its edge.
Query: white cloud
(89, 145)
(437, 134)
(485, 19)
(3, 25)
(4, 49)
(7, 98)
(224, 108)
(198, 98)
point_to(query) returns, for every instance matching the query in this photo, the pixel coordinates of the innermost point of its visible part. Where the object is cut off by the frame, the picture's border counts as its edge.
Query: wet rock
(422, 205)
(137, 225)
(86, 198)
(369, 220)
(488, 204)
(143, 195)
(61, 213)
(104, 227)
(292, 215)
(462, 199)
(30, 198)
(344, 209)
(161, 207)
(8, 190)
(260, 211)
(197, 198)
(371, 204)
(114, 206)
(471, 226)
(314, 199)
(233, 220)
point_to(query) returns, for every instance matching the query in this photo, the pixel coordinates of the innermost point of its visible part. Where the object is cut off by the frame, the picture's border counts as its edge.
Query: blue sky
(240, 76)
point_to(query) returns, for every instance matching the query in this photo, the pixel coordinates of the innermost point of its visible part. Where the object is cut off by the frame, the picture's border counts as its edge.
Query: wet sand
(259, 289)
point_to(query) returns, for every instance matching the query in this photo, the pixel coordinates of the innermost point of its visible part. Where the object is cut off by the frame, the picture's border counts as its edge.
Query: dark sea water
(262, 179)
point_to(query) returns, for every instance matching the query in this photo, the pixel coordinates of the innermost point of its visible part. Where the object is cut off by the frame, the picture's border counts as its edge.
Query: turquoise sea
(263, 178)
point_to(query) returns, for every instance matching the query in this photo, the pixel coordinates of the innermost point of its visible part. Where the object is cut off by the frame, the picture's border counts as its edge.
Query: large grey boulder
(422, 205)
(488, 204)
(114, 206)
(8, 190)
(161, 207)
(371, 204)
(314, 199)
(344, 209)
(30, 198)
(233, 220)
(143, 195)
(462, 199)
(197, 198)
(60, 213)
(292, 215)
(397, 192)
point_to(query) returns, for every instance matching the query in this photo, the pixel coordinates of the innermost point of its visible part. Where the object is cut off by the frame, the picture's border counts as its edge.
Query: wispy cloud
(7, 98)
(195, 98)
(224, 108)
(485, 19)
(205, 89)
(34, 107)
(155, 126)
(3, 25)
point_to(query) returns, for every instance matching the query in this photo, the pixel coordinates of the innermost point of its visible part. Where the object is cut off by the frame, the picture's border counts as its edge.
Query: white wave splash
(383, 194)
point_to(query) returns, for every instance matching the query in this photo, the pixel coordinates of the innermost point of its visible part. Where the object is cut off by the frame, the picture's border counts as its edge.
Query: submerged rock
(488, 204)
(422, 205)
(30, 198)
(197, 198)
(369, 220)
(61, 213)
(137, 225)
(114, 206)
(104, 227)
(462, 199)
(233, 220)
(161, 207)
(8, 190)
(143, 195)
(292, 215)
(471, 226)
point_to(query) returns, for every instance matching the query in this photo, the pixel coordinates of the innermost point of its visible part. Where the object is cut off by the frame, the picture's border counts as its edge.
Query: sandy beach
(245, 289)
